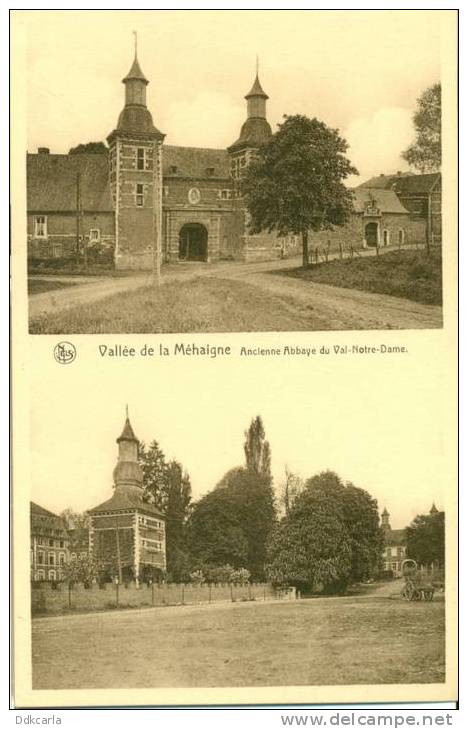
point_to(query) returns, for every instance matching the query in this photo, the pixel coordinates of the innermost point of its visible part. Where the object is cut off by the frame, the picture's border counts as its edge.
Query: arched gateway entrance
(371, 233)
(193, 242)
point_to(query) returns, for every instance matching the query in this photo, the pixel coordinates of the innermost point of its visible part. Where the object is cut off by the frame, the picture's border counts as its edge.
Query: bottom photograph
(149, 571)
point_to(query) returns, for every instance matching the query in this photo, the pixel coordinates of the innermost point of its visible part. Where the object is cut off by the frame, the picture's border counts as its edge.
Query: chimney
(43, 150)
(399, 173)
(382, 174)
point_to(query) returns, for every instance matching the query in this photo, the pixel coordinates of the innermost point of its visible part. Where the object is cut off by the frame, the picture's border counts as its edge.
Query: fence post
(183, 592)
(209, 593)
(69, 595)
(232, 595)
(341, 252)
(264, 592)
(116, 594)
(152, 593)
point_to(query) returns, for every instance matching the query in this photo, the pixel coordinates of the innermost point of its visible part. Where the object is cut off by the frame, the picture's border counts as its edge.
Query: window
(40, 558)
(62, 558)
(52, 575)
(173, 169)
(40, 226)
(139, 195)
(94, 235)
(165, 191)
(57, 250)
(40, 575)
(51, 558)
(209, 171)
(386, 237)
(401, 237)
(141, 158)
(394, 566)
(51, 542)
(225, 194)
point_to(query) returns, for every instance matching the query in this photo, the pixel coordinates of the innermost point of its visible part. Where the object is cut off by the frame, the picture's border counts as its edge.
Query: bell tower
(135, 161)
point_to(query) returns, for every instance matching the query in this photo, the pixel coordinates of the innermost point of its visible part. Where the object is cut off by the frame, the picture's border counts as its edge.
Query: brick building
(142, 191)
(127, 535)
(395, 548)
(49, 544)
(421, 195)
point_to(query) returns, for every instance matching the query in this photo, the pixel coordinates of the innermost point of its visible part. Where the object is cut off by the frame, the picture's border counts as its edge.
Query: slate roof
(52, 178)
(127, 432)
(194, 161)
(386, 200)
(403, 183)
(52, 181)
(123, 501)
(395, 537)
(256, 90)
(135, 73)
(40, 511)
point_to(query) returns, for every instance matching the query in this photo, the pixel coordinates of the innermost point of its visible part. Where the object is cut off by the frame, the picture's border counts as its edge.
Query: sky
(360, 72)
(369, 420)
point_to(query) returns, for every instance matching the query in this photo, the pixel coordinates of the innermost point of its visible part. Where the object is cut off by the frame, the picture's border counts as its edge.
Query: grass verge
(407, 274)
(198, 305)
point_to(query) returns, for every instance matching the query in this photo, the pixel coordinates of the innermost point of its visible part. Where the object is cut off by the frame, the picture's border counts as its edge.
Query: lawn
(308, 642)
(408, 274)
(203, 304)
(40, 285)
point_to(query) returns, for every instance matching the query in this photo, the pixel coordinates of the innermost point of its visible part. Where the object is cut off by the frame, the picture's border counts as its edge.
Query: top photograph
(235, 171)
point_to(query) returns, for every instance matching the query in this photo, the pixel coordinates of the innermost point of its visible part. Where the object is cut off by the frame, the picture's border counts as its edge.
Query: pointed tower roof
(385, 512)
(127, 432)
(135, 73)
(434, 509)
(257, 90)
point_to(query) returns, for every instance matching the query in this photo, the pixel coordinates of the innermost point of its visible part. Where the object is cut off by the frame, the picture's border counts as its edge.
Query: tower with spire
(127, 534)
(135, 175)
(255, 131)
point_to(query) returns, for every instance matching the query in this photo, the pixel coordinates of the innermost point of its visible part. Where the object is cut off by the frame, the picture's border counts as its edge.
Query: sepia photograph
(288, 182)
(250, 552)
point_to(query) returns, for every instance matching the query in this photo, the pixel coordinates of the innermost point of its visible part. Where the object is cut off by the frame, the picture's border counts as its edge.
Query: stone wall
(45, 600)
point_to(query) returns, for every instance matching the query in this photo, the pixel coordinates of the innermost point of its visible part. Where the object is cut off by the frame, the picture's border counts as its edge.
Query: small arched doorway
(371, 233)
(193, 242)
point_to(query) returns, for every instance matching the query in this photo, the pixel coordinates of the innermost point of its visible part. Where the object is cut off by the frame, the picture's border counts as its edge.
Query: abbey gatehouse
(140, 198)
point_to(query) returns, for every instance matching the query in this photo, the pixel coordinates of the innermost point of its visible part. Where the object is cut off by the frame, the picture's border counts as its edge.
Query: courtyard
(324, 641)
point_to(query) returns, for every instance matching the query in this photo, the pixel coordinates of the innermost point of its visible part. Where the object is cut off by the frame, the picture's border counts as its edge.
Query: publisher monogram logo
(64, 352)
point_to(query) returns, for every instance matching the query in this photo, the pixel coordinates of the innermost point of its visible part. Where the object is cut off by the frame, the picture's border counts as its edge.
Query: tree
(330, 537)
(83, 569)
(215, 534)
(425, 154)
(153, 464)
(296, 182)
(257, 449)
(290, 489)
(425, 539)
(178, 497)
(89, 148)
(75, 519)
(167, 486)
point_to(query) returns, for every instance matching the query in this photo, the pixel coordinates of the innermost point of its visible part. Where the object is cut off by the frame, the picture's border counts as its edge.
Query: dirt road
(340, 308)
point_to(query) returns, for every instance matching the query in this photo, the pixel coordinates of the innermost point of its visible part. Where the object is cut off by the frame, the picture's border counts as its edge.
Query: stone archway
(193, 242)
(371, 233)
